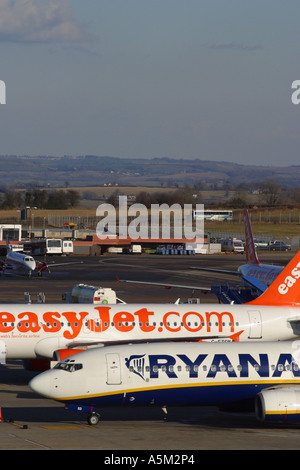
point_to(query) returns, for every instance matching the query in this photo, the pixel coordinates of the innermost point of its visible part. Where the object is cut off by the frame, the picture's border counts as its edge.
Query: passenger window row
(174, 324)
(212, 368)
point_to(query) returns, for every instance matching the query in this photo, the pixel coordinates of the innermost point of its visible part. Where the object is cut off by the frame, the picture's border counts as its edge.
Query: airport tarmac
(30, 422)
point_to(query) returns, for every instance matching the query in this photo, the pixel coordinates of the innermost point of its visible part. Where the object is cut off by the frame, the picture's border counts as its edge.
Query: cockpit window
(68, 366)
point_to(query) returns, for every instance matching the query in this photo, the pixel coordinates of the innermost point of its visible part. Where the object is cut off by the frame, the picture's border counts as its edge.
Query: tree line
(39, 198)
(266, 193)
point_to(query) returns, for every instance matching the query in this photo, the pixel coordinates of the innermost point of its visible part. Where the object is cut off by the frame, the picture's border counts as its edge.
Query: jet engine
(281, 404)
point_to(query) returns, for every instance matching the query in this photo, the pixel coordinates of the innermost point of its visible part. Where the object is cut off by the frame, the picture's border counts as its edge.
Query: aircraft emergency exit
(179, 374)
(56, 330)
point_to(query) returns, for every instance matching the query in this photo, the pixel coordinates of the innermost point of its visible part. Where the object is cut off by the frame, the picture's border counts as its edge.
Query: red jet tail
(251, 255)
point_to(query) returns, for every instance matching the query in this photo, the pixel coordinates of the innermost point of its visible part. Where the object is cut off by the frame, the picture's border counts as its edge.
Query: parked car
(261, 244)
(279, 246)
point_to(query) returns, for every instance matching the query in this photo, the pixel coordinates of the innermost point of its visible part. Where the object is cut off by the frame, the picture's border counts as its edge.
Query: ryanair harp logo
(136, 364)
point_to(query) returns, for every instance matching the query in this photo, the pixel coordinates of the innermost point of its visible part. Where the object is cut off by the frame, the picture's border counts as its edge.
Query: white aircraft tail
(251, 254)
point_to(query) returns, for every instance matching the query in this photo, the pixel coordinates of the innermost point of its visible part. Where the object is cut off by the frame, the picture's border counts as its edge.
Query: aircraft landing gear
(93, 419)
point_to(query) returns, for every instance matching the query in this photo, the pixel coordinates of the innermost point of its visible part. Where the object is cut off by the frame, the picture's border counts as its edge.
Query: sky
(206, 79)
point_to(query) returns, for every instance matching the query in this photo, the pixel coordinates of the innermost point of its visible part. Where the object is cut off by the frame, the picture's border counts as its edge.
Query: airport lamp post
(31, 217)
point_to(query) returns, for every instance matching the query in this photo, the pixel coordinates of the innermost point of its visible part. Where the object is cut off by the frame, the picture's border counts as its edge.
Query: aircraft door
(113, 369)
(2, 352)
(255, 331)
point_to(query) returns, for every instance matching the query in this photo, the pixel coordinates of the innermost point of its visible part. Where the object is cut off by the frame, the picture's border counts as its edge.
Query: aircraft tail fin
(285, 289)
(251, 254)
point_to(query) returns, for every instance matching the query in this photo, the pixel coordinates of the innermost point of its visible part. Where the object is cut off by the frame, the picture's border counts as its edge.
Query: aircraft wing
(168, 286)
(256, 283)
(200, 338)
(251, 280)
(215, 270)
(54, 265)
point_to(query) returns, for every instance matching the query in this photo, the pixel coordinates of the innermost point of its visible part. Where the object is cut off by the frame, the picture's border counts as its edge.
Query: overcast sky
(208, 79)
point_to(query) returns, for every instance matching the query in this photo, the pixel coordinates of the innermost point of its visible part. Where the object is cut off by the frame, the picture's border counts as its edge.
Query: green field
(278, 231)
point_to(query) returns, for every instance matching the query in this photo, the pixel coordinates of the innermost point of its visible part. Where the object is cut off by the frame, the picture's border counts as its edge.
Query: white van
(232, 245)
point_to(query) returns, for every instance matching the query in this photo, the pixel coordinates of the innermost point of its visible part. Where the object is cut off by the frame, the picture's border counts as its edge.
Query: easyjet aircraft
(180, 374)
(55, 330)
(253, 272)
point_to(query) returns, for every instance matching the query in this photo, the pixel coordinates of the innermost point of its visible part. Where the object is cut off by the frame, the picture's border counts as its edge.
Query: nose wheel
(93, 419)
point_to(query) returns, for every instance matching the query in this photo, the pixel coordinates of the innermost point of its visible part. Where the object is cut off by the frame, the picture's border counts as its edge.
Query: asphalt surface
(30, 422)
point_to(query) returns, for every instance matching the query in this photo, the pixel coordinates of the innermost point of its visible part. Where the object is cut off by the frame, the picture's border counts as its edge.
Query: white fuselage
(34, 331)
(20, 262)
(179, 374)
(263, 272)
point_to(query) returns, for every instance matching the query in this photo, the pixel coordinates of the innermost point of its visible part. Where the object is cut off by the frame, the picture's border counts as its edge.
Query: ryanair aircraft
(266, 374)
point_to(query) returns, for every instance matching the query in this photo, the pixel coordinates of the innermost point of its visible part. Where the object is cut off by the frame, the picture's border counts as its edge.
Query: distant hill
(91, 170)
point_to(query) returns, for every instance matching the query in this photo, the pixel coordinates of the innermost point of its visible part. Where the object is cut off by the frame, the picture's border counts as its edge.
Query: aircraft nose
(41, 385)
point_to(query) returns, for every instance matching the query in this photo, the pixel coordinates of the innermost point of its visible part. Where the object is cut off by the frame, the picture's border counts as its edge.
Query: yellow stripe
(166, 387)
(283, 412)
